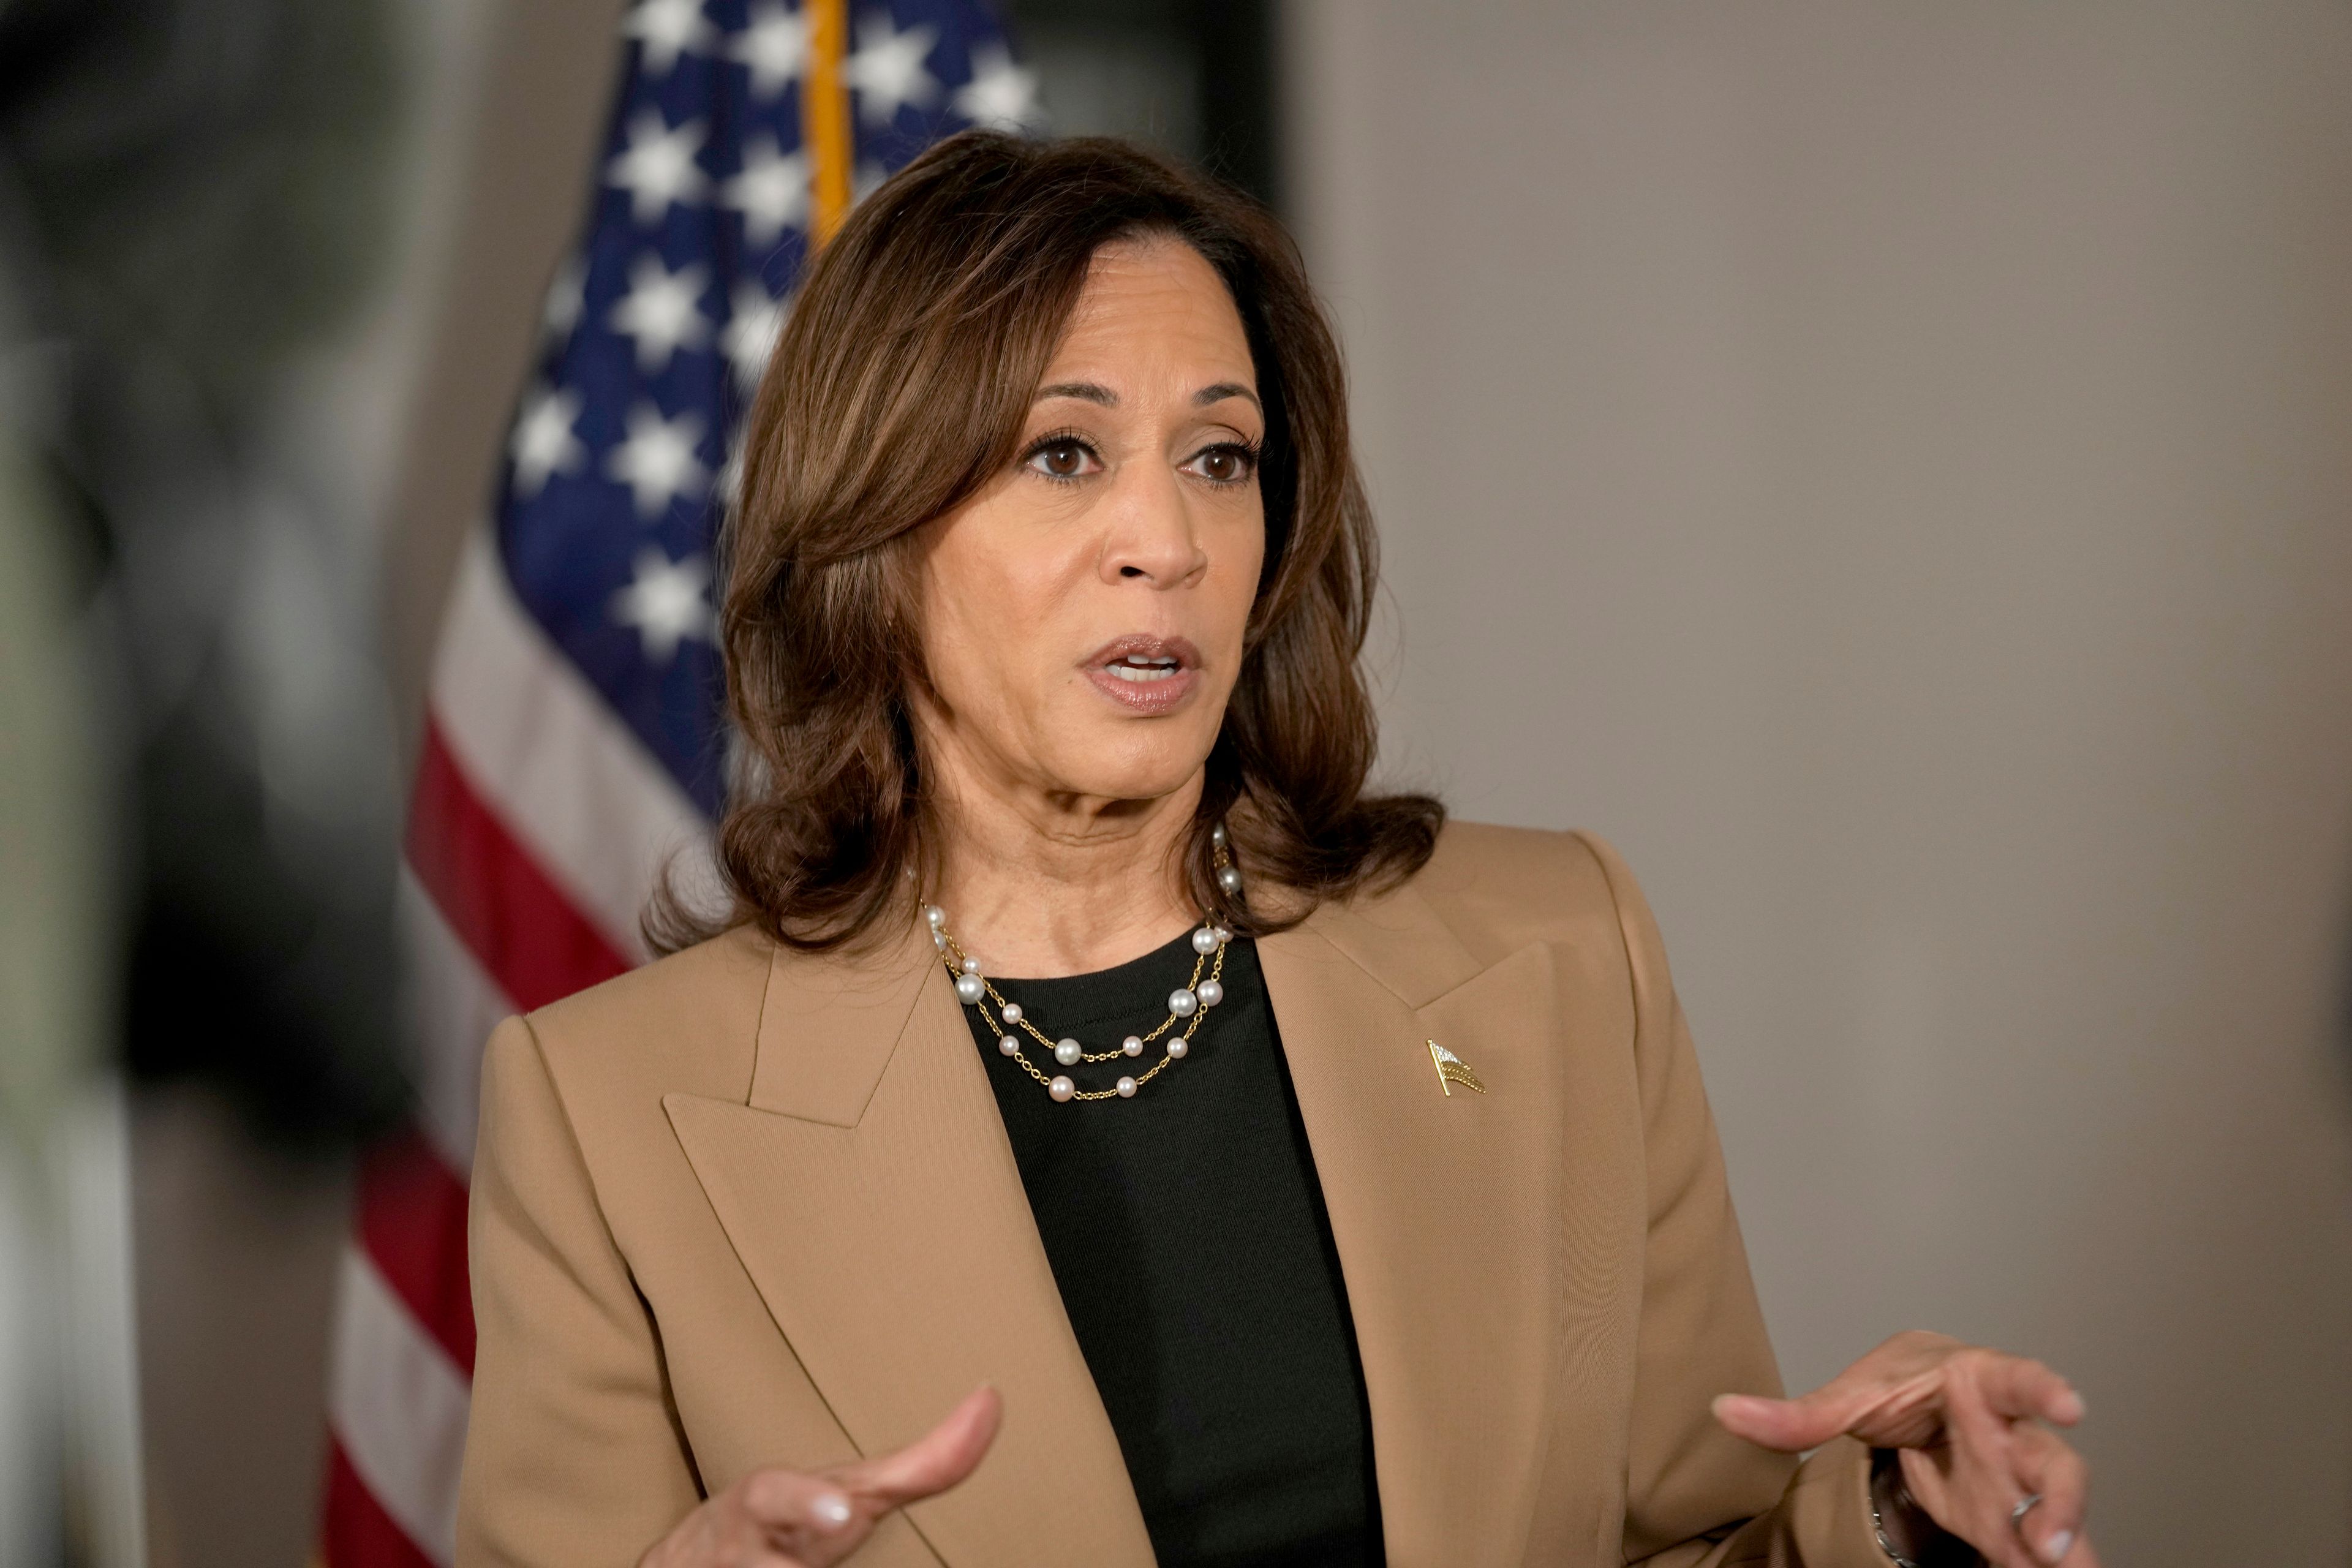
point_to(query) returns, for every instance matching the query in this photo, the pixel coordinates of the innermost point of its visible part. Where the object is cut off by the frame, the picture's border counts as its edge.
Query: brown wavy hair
(900, 388)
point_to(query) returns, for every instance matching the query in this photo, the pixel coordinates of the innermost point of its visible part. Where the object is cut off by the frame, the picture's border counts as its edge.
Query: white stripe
(563, 771)
(450, 1007)
(398, 1405)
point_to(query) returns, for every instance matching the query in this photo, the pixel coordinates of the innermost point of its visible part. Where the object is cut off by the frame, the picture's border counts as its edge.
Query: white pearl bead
(1177, 1047)
(972, 966)
(1205, 941)
(1210, 992)
(1126, 1088)
(969, 989)
(1217, 836)
(1067, 1052)
(1229, 879)
(1132, 1044)
(940, 940)
(1183, 1002)
(937, 916)
(1061, 1088)
(1009, 1045)
(1013, 1012)
(1224, 934)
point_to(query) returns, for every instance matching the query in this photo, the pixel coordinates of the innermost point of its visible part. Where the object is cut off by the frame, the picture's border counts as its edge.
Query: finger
(2020, 1388)
(932, 1463)
(1887, 1412)
(1785, 1426)
(782, 1501)
(2048, 1468)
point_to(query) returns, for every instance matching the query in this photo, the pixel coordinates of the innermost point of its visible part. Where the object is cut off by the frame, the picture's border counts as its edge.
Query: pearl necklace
(1188, 1002)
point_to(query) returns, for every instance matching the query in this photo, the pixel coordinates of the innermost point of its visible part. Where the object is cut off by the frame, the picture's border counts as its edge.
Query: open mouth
(1141, 668)
(1144, 674)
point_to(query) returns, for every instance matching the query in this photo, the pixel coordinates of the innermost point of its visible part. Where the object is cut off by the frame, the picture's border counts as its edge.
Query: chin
(1131, 767)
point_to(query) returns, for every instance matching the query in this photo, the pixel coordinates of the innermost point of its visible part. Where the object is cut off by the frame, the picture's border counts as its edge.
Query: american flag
(575, 733)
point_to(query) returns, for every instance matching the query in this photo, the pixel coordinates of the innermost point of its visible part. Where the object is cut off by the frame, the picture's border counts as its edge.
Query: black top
(1186, 1230)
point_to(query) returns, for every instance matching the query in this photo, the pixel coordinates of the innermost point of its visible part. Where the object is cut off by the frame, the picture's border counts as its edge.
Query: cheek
(988, 608)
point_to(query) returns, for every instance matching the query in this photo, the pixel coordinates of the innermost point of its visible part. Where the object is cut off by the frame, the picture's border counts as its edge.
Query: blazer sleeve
(1695, 1496)
(573, 1455)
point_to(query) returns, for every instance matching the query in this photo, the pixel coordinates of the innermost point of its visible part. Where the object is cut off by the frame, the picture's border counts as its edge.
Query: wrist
(1907, 1534)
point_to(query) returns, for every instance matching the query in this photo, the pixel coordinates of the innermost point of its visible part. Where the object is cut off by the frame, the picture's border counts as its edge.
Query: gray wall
(1888, 469)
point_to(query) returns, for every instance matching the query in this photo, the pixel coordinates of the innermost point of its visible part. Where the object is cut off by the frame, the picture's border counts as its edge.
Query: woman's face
(1083, 615)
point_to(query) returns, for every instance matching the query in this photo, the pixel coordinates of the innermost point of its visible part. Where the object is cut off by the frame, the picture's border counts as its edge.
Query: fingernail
(831, 1511)
(2055, 1548)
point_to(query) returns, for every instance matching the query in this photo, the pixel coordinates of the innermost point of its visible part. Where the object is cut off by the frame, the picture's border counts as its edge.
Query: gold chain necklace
(1188, 1004)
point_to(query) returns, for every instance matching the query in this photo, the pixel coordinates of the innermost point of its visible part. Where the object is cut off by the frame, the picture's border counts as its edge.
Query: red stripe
(358, 1534)
(412, 1221)
(530, 938)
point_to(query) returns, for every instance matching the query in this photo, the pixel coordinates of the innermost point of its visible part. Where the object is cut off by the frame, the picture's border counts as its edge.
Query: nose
(1150, 537)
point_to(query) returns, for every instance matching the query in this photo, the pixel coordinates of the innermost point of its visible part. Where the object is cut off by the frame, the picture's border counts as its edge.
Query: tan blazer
(745, 1207)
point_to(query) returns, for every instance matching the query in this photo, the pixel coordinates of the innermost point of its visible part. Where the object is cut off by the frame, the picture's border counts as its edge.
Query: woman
(1338, 1187)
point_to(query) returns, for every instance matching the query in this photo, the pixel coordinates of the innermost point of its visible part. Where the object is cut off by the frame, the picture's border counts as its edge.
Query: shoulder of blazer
(1498, 889)
(685, 1023)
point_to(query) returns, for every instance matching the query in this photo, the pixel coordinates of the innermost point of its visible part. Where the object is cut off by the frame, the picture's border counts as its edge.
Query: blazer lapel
(1444, 1209)
(869, 1190)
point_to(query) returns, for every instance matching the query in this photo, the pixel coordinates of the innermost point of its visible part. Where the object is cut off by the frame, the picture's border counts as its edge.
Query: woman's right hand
(791, 1519)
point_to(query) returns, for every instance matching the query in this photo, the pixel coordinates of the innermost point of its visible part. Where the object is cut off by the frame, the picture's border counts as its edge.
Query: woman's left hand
(1969, 1423)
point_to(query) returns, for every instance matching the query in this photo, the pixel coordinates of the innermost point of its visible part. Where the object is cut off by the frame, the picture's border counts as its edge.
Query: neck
(1039, 885)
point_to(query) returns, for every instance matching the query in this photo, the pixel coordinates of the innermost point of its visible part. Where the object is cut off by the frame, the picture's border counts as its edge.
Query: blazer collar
(1428, 1192)
(906, 1269)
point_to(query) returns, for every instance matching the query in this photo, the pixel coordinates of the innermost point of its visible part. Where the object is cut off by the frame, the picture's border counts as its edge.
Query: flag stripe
(548, 754)
(413, 1224)
(398, 1405)
(358, 1533)
(450, 1007)
(529, 939)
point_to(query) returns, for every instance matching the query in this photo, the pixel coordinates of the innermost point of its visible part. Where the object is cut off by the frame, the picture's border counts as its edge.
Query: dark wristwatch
(1909, 1536)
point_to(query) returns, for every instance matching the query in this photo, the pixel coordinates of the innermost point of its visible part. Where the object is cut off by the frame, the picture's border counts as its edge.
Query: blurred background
(1888, 469)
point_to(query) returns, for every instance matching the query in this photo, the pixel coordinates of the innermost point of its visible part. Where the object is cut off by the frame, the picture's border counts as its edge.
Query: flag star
(668, 601)
(776, 47)
(543, 442)
(1001, 95)
(565, 294)
(751, 334)
(868, 179)
(771, 192)
(658, 166)
(888, 68)
(666, 29)
(659, 311)
(657, 460)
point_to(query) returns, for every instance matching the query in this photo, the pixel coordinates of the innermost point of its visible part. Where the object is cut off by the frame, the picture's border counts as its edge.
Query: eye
(1063, 457)
(1226, 463)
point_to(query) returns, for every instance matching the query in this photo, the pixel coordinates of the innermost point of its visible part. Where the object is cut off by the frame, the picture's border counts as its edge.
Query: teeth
(1141, 672)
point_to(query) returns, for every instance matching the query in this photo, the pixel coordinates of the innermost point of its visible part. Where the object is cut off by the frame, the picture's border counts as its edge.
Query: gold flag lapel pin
(1452, 1069)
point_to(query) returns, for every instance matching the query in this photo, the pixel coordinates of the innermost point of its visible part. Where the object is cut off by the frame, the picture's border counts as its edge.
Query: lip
(1162, 695)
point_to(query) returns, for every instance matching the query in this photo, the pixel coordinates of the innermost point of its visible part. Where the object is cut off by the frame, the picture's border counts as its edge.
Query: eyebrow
(1087, 391)
(1094, 392)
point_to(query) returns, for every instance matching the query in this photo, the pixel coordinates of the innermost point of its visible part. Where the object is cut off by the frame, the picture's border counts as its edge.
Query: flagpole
(824, 119)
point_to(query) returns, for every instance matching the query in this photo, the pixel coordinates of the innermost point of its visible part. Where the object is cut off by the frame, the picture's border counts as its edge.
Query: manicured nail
(831, 1511)
(2055, 1549)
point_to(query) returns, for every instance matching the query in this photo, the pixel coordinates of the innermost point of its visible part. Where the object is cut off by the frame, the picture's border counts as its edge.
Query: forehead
(1158, 297)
